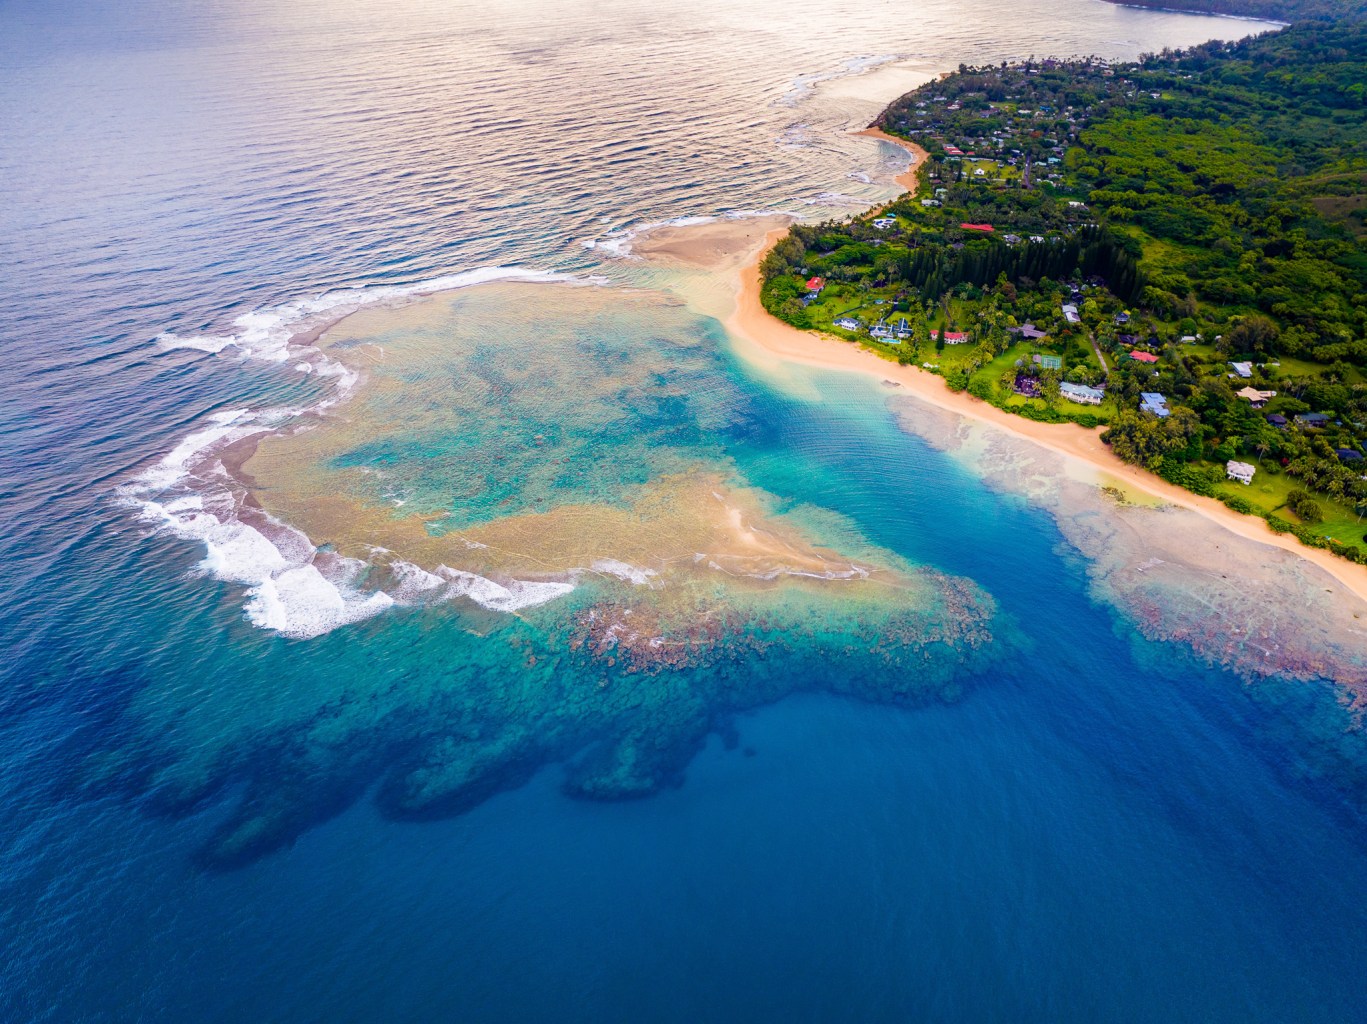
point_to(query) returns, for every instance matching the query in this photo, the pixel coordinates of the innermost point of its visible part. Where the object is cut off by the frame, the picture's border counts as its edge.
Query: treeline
(1272, 10)
(929, 269)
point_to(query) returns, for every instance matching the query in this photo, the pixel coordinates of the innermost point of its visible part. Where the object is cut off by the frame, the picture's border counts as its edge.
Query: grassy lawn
(1269, 492)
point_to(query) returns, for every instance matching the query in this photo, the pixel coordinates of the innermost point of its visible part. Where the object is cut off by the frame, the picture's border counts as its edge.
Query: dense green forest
(1173, 247)
(1272, 10)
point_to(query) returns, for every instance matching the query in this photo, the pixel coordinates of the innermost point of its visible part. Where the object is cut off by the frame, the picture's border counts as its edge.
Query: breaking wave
(293, 587)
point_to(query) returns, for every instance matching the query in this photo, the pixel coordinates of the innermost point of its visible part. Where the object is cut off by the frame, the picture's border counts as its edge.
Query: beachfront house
(1070, 313)
(848, 323)
(883, 223)
(1152, 401)
(881, 331)
(814, 286)
(1081, 393)
(1240, 471)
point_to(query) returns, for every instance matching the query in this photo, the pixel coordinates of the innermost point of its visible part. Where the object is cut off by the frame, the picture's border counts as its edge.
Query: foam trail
(617, 244)
(803, 87)
(293, 588)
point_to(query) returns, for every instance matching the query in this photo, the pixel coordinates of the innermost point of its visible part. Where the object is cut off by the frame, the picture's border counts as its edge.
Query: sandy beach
(736, 246)
(751, 324)
(907, 179)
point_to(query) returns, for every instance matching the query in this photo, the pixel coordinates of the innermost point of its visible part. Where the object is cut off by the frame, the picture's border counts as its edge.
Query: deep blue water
(1099, 829)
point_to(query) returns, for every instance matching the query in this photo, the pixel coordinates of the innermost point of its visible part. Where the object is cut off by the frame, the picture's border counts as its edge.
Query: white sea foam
(617, 244)
(301, 602)
(803, 87)
(502, 597)
(623, 571)
(292, 587)
(265, 334)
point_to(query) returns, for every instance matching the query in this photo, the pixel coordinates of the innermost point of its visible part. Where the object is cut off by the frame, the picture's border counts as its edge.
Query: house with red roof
(976, 227)
(816, 284)
(1143, 357)
(955, 337)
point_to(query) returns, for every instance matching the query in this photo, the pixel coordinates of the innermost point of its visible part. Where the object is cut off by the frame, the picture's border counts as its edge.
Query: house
(930, 202)
(1244, 370)
(881, 331)
(1188, 339)
(955, 337)
(1240, 471)
(954, 151)
(1277, 420)
(979, 173)
(1143, 357)
(1312, 419)
(976, 227)
(1075, 205)
(1122, 318)
(815, 284)
(1348, 454)
(1011, 239)
(1028, 331)
(1081, 393)
(1258, 398)
(848, 323)
(1152, 401)
(1070, 314)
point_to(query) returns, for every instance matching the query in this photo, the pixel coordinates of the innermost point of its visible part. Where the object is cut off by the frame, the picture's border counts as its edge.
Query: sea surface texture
(417, 608)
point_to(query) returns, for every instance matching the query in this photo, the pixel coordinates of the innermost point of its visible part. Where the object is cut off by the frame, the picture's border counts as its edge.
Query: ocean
(542, 657)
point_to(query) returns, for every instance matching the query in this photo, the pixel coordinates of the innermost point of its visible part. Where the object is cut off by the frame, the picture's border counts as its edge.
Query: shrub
(1308, 510)
(1278, 524)
(1241, 505)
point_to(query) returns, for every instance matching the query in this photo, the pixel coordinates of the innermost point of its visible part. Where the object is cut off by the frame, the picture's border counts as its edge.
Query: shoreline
(909, 178)
(751, 323)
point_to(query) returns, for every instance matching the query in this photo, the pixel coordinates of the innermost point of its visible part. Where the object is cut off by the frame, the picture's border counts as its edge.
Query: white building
(1240, 471)
(1080, 393)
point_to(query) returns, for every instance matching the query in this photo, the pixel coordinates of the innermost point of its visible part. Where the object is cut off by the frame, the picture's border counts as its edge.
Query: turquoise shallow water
(208, 820)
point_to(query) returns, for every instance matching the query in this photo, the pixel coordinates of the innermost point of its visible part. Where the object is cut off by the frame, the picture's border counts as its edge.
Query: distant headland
(1170, 249)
